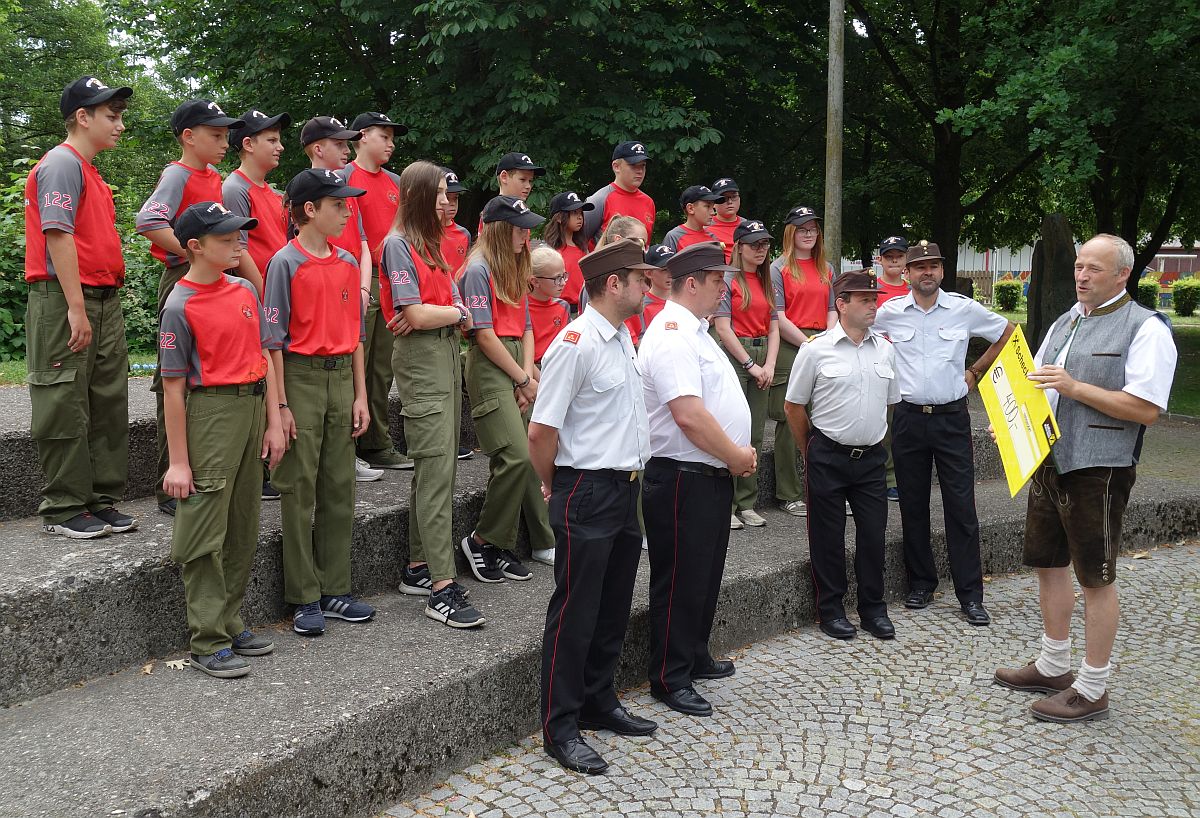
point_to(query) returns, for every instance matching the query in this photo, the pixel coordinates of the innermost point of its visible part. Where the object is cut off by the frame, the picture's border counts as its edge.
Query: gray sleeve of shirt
(477, 295)
(725, 308)
(673, 236)
(401, 273)
(60, 190)
(277, 299)
(161, 209)
(235, 195)
(175, 339)
(777, 282)
(593, 220)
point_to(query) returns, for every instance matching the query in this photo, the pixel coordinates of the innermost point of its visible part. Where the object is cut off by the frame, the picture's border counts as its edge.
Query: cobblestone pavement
(814, 727)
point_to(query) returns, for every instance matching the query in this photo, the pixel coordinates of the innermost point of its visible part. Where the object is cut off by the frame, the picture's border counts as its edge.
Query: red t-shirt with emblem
(755, 320)
(405, 279)
(806, 301)
(570, 255)
(179, 187)
(261, 202)
(889, 291)
(378, 205)
(312, 304)
(65, 192)
(213, 334)
(456, 242)
(548, 318)
(723, 230)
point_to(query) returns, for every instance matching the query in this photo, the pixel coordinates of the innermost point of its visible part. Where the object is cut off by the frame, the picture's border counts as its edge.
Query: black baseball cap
(569, 201)
(376, 119)
(453, 185)
(326, 127)
(512, 210)
(88, 91)
(893, 243)
(196, 112)
(657, 255)
(631, 152)
(724, 185)
(203, 218)
(518, 161)
(749, 232)
(255, 121)
(802, 214)
(317, 183)
(699, 193)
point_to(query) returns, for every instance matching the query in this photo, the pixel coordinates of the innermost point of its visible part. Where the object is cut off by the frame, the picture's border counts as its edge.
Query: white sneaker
(363, 473)
(796, 508)
(645, 544)
(849, 512)
(734, 523)
(751, 518)
(544, 555)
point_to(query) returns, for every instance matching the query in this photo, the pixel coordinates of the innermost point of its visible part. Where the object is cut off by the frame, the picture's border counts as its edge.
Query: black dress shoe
(840, 628)
(685, 700)
(168, 506)
(576, 755)
(976, 614)
(917, 599)
(879, 626)
(619, 720)
(715, 669)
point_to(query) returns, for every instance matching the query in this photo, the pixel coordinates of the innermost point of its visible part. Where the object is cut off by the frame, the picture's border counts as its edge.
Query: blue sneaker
(346, 607)
(893, 494)
(308, 619)
(222, 664)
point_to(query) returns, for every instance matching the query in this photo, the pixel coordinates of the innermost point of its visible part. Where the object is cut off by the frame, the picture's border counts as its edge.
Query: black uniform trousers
(687, 533)
(597, 547)
(835, 475)
(920, 439)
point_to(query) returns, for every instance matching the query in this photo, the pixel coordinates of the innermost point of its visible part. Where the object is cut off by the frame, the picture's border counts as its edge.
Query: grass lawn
(13, 372)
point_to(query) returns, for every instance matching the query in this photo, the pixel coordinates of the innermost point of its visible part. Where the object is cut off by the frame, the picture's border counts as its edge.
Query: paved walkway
(813, 727)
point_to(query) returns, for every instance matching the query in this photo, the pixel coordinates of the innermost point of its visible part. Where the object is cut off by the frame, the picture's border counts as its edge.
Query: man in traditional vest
(1106, 366)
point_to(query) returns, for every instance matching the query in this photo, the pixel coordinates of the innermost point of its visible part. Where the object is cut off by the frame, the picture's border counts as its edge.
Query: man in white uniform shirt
(1107, 366)
(699, 439)
(588, 438)
(836, 405)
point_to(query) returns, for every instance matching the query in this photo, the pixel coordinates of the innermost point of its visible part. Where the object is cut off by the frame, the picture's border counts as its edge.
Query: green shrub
(1147, 292)
(1007, 295)
(1185, 294)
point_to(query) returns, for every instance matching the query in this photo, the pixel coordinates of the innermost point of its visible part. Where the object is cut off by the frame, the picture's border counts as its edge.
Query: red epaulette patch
(671, 325)
(571, 337)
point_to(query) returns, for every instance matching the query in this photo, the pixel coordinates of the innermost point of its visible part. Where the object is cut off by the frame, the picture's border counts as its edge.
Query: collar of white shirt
(907, 300)
(602, 325)
(674, 311)
(1077, 308)
(836, 333)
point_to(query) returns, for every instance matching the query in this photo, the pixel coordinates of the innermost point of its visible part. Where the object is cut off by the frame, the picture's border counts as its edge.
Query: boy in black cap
(202, 130)
(515, 173)
(316, 323)
(624, 197)
(212, 342)
(245, 192)
(726, 219)
(456, 239)
(698, 203)
(564, 234)
(75, 333)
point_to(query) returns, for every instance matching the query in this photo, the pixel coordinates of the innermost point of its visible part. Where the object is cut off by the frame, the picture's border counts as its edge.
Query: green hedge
(1147, 292)
(1185, 295)
(1007, 295)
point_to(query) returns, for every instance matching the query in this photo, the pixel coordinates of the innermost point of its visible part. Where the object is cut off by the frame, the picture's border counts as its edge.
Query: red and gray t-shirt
(806, 301)
(683, 236)
(723, 230)
(570, 255)
(754, 321)
(353, 234)
(179, 187)
(610, 201)
(456, 243)
(548, 318)
(65, 192)
(312, 304)
(488, 311)
(405, 279)
(213, 334)
(245, 198)
(377, 207)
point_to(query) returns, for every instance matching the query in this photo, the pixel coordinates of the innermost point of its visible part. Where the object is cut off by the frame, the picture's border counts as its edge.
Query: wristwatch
(463, 315)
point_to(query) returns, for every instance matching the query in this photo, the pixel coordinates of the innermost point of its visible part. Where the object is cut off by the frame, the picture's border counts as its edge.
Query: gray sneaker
(248, 643)
(796, 508)
(387, 459)
(223, 664)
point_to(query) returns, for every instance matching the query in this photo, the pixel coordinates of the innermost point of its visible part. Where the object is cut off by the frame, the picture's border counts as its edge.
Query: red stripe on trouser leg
(662, 673)
(562, 613)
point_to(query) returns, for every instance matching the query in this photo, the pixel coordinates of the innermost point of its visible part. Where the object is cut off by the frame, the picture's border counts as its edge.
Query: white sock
(1055, 659)
(1091, 681)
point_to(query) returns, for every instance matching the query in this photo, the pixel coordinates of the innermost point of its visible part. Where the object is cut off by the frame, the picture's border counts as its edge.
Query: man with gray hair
(1106, 366)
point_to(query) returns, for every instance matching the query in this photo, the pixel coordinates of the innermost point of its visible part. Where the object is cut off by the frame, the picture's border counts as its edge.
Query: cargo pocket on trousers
(423, 428)
(198, 540)
(489, 425)
(56, 404)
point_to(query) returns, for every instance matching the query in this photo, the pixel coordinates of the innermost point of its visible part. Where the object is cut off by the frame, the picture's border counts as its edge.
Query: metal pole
(833, 135)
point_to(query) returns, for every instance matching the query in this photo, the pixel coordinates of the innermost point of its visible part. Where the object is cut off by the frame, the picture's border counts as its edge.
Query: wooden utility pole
(833, 135)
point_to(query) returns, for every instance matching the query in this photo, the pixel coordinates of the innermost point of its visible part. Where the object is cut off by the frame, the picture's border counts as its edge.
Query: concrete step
(21, 475)
(369, 714)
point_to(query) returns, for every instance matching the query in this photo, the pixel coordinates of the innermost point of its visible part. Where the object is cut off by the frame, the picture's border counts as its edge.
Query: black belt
(689, 466)
(257, 388)
(319, 361)
(98, 293)
(936, 408)
(614, 474)
(855, 452)
(754, 342)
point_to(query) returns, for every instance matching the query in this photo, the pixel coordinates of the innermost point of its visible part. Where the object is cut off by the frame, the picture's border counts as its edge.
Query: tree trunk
(947, 200)
(1052, 279)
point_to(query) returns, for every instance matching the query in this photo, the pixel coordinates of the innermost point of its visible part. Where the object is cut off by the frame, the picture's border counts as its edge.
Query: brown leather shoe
(1028, 679)
(1070, 706)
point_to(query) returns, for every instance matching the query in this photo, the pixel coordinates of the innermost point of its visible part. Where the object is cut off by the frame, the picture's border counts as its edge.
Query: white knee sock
(1091, 681)
(1055, 658)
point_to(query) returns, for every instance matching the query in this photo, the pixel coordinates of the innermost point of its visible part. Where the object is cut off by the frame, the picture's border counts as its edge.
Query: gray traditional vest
(1097, 356)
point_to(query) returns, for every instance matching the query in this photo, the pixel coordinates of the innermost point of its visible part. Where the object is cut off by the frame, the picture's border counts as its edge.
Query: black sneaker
(509, 565)
(117, 521)
(249, 643)
(451, 607)
(416, 581)
(168, 507)
(482, 560)
(223, 664)
(344, 606)
(465, 453)
(83, 526)
(269, 492)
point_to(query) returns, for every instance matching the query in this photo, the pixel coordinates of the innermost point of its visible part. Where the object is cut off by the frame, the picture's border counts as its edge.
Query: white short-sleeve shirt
(676, 358)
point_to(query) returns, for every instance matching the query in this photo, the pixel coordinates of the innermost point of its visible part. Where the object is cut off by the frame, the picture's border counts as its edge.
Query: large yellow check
(1020, 413)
